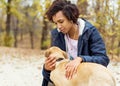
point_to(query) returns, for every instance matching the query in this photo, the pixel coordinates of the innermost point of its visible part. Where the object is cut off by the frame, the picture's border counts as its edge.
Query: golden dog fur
(88, 74)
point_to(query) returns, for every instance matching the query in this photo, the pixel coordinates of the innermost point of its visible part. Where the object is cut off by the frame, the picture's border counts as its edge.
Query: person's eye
(61, 21)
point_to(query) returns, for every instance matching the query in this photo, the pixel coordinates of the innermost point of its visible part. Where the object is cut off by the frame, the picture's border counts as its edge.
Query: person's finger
(52, 66)
(68, 70)
(67, 65)
(50, 63)
(71, 72)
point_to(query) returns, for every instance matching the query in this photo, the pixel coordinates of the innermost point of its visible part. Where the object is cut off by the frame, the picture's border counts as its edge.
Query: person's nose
(59, 26)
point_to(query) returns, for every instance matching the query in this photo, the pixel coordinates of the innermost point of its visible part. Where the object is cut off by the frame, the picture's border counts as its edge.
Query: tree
(8, 38)
(44, 39)
(82, 6)
(106, 18)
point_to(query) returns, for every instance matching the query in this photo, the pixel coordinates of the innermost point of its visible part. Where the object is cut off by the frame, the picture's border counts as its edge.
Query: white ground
(115, 69)
(17, 72)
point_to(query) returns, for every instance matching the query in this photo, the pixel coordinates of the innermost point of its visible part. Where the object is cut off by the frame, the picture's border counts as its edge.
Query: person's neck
(74, 32)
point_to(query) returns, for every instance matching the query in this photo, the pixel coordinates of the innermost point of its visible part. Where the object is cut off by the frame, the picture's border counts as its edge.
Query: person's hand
(71, 67)
(50, 63)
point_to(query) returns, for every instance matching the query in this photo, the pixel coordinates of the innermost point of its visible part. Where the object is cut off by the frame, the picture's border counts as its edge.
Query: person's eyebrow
(59, 20)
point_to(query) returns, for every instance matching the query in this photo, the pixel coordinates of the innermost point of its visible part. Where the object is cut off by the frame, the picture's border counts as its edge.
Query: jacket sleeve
(96, 49)
(46, 74)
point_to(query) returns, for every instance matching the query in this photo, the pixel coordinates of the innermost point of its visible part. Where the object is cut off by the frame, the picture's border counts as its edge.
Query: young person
(79, 38)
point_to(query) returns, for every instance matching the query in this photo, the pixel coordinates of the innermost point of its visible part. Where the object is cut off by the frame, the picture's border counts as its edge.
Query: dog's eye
(60, 59)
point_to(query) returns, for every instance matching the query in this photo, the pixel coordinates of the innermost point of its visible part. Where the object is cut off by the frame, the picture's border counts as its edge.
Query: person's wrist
(46, 68)
(79, 59)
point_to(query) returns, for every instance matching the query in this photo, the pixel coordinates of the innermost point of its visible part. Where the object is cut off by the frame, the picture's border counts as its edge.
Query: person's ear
(71, 21)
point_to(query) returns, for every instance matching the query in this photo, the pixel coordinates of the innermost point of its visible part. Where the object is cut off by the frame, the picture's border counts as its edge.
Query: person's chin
(63, 32)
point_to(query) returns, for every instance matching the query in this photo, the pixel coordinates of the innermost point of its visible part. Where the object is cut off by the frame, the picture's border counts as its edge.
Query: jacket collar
(88, 25)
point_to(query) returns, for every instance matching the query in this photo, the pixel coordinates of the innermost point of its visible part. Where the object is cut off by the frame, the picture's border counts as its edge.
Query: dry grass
(21, 53)
(114, 58)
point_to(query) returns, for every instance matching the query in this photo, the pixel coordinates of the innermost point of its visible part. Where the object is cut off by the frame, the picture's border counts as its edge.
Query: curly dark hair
(70, 11)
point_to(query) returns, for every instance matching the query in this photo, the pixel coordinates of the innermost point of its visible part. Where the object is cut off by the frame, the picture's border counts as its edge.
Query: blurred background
(24, 25)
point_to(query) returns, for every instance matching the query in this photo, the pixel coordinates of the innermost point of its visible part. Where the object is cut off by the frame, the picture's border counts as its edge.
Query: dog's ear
(65, 54)
(47, 53)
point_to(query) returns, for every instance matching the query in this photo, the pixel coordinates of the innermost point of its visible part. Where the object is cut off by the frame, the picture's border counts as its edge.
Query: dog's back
(88, 74)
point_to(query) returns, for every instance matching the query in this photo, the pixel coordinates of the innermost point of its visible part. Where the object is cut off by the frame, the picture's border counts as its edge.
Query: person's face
(63, 24)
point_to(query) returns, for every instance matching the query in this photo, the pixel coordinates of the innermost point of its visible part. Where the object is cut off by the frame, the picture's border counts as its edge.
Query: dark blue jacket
(90, 47)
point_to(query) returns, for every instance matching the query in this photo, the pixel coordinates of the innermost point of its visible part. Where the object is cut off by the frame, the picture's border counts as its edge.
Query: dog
(88, 74)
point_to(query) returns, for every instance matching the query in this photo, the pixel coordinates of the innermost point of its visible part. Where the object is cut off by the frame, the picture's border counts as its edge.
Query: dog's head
(57, 52)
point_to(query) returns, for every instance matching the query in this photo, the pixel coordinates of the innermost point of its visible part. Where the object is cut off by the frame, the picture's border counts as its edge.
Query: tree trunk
(31, 39)
(16, 33)
(8, 18)
(7, 37)
(44, 35)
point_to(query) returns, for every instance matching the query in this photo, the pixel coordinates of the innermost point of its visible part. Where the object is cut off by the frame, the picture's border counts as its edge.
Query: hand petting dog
(50, 63)
(71, 67)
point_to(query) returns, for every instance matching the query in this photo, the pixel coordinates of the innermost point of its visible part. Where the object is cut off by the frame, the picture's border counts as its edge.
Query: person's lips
(62, 30)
